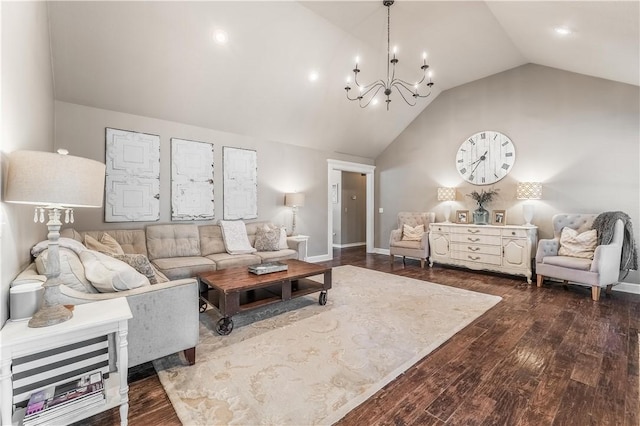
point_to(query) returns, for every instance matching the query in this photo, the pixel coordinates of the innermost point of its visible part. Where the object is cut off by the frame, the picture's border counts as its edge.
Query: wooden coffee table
(235, 290)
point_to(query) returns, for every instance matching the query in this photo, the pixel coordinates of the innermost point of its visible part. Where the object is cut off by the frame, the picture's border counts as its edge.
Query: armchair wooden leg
(595, 293)
(565, 284)
(422, 263)
(609, 288)
(539, 279)
(190, 355)
(404, 263)
(391, 259)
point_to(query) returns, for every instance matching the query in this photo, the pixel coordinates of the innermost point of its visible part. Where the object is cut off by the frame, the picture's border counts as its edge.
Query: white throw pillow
(108, 274)
(283, 238)
(412, 233)
(236, 240)
(578, 245)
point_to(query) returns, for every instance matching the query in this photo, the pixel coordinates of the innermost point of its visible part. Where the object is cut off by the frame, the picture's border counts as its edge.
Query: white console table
(89, 321)
(508, 249)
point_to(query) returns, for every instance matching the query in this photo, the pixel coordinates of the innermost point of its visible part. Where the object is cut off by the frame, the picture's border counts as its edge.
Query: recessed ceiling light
(313, 76)
(563, 30)
(374, 102)
(220, 36)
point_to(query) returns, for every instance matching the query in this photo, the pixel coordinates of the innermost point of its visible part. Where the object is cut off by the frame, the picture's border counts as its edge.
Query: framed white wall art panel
(191, 180)
(132, 184)
(240, 183)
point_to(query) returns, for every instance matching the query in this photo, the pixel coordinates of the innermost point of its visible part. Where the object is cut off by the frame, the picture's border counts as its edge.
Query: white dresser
(508, 249)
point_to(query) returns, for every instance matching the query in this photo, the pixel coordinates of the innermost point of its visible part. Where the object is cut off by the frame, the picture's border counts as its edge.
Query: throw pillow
(140, 263)
(106, 244)
(234, 235)
(267, 239)
(410, 233)
(110, 275)
(578, 245)
(283, 238)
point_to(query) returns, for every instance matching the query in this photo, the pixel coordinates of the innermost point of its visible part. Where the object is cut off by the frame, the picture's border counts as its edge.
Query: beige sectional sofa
(165, 315)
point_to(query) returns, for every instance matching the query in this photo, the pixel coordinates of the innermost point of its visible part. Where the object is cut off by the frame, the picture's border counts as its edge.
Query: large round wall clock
(485, 157)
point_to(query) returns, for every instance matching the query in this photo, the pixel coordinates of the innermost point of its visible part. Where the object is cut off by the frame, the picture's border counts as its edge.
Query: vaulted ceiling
(159, 59)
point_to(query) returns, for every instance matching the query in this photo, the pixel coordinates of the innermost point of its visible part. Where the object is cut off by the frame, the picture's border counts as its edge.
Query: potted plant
(481, 215)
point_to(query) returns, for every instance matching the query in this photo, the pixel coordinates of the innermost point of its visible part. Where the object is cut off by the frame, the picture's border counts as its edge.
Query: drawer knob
(473, 240)
(473, 248)
(513, 232)
(473, 257)
(473, 231)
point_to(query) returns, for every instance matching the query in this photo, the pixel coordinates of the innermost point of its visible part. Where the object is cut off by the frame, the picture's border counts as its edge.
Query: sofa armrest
(165, 317)
(547, 247)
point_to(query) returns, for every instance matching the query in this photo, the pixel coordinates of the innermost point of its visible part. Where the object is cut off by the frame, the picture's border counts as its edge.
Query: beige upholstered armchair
(406, 248)
(601, 271)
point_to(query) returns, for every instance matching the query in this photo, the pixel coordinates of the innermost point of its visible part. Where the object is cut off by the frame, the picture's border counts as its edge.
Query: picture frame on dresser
(462, 216)
(499, 217)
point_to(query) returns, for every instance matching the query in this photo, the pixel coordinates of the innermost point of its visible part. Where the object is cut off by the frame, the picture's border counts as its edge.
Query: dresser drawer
(438, 228)
(476, 249)
(476, 239)
(476, 230)
(476, 257)
(514, 233)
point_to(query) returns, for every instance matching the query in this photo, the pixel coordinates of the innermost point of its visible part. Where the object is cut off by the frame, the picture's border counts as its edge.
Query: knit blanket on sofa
(604, 225)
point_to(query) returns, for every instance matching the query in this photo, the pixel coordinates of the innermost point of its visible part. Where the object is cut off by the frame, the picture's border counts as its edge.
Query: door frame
(346, 166)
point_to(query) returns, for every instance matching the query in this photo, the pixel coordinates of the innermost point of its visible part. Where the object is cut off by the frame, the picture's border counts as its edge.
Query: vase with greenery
(481, 215)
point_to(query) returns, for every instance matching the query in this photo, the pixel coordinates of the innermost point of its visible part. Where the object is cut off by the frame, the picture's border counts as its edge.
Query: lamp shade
(45, 178)
(294, 199)
(529, 191)
(446, 194)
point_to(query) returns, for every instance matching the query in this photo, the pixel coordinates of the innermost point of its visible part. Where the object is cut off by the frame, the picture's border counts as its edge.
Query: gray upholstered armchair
(412, 249)
(601, 271)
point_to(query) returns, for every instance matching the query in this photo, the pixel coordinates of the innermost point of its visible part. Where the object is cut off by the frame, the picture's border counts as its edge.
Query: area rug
(299, 363)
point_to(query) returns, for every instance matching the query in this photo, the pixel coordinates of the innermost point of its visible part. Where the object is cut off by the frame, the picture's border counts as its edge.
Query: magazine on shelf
(66, 416)
(266, 268)
(66, 396)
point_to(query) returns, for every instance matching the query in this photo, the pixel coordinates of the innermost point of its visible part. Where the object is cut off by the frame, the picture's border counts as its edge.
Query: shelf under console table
(508, 249)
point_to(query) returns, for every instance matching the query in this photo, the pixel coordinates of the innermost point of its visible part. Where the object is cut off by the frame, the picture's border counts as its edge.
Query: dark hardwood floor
(548, 356)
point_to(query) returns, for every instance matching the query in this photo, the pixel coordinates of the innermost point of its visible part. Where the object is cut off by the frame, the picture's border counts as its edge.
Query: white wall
(281, 168)
(578, 135)
(27, 124)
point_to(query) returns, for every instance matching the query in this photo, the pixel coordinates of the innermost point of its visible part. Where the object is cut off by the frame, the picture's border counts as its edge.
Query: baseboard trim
(349, 245)
(627, 288)
(381, 251)
(316, 259)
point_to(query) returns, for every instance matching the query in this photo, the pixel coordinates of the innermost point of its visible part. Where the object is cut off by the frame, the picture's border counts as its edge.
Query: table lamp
(528, 191)
(56, 183)
(447, 194)
(294, 200)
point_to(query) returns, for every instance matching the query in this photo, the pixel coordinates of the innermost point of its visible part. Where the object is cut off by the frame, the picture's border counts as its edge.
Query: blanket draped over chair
(604, 225)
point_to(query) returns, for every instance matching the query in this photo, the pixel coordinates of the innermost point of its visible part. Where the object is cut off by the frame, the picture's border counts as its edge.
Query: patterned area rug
(299, 363)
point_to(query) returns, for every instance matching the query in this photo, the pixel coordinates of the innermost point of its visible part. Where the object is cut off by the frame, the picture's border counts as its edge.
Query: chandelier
(367, 93)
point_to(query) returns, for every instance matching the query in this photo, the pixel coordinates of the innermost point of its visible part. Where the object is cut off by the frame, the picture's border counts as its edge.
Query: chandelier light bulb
(357, 59)
(395, 49)
(424, 55)
(348, 80)
(220, 37)
(313, 76)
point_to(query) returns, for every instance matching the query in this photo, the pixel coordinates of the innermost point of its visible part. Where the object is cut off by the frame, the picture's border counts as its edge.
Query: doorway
(368, 172)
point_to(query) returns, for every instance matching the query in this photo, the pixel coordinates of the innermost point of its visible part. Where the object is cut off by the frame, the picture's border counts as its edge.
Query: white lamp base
(447, 213)
(527, 212)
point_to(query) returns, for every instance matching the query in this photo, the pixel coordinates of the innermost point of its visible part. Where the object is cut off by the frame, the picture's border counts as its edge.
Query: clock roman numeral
(460, 161)
(483, 136)
(495, 136)
(505, 166)
(463, 170)
(505, 143)
(471, 177)
(509, 154)
(471, 141)
(482, 180)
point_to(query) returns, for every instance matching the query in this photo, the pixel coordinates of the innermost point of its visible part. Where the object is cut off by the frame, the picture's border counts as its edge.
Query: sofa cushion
(108, 274)
(234, 233)
(577, 244)
(267, 238)
(167, 241)
(176, 268)
(72, 272)
(211, 240)
(273, 256)
(226, 260)
(407, 244)
(132, 241)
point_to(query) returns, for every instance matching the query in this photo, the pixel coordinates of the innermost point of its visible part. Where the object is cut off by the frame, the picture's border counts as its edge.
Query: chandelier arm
(402, 94)
(407, 87)
(371, 98)
(409, 84)
(365, 92)
(368, 86)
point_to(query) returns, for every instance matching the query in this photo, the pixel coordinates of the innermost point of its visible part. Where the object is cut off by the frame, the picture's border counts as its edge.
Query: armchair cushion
(568, 262)
(577, 244)
(412, 233)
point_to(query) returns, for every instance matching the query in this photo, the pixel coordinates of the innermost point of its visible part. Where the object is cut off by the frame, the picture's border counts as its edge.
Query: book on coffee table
(267, 268)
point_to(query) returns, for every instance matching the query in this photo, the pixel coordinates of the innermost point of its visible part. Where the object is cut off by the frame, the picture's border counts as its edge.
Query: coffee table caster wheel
(203, 306)
(224, 326)
(323, 298)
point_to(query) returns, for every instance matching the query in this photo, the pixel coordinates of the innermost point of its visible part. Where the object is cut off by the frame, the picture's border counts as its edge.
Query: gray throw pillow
(267, 239)
(140, 263)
